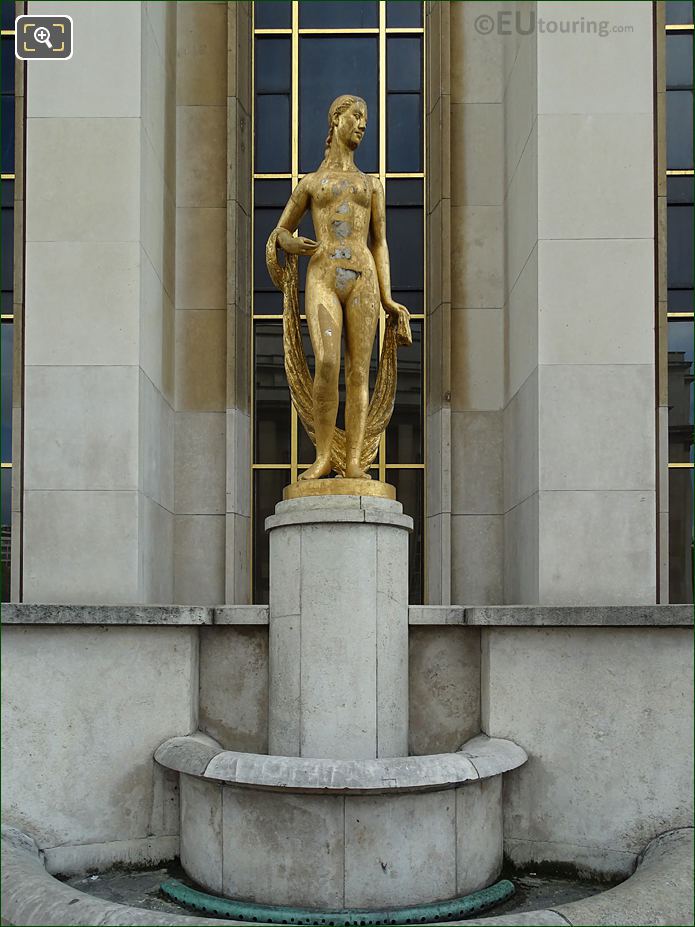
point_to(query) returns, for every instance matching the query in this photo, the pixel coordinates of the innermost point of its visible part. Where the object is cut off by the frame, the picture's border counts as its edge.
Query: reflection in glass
(270, 197)
(403, 13)
(267, 492)
(338, 14)
(679, 60)
(6, 532)
(680, 246)
(680, 390)
(679, 129)
(409, 491)
(6, 332)
(328, 67)
(272, 131)
(680, 542)
(271, 396)
(404, 433)
(272, 14)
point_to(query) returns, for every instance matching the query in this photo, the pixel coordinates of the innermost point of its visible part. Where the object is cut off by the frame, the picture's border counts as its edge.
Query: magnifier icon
(42, 35)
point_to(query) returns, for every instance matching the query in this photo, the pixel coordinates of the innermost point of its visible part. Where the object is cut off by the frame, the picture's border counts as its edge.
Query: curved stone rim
(30, 895)
(479, 758)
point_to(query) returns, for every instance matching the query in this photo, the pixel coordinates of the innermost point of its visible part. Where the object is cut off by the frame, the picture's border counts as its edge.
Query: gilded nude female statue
(348, 279)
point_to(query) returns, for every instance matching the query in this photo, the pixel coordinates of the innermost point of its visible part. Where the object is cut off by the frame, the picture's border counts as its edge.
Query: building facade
(538, 166)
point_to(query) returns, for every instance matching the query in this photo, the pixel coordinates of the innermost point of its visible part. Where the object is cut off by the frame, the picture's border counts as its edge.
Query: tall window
(7, 63)
(305, 55)
(680, 244)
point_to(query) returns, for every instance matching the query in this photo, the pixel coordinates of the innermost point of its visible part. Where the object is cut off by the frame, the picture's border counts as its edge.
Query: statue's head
(347, 120)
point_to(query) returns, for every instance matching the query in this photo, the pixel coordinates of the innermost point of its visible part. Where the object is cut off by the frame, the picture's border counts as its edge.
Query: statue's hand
(393, 308)
(298, 245)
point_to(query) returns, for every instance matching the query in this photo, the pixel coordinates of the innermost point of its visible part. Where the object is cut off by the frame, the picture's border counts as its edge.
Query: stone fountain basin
(345, 833)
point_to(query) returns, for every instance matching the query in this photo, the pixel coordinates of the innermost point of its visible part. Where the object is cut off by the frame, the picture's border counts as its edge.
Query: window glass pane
(271, 396)
(404, 64)
(680, 245)
(273, 65)
(267, 492)
(680, 390)
(7, 134)
(680, 486)
(679, 60)
(338, 14)
(272, 134)
(6, 531)
(680, 11)
(403, 192)
(7, 187)
(272, 14)
(6, 333)
(404, 434)
(681, 301)
(7, 247)
(680, 189)
(270, 197)
(404, 132)
(404, 230)
(409, 491)
(8, 14)
(679, 129)
(413, 300)
(403, 13)
(272, 193)
(8, 59)
(330, 66)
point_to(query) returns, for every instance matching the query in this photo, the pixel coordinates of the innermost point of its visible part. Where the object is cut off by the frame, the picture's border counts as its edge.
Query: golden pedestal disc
(339, 486)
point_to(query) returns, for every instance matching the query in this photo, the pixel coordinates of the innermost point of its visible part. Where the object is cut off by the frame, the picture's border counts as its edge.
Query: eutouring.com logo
(505, 22)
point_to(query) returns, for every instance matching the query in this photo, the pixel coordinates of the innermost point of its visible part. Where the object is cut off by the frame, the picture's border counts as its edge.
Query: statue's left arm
(380, 249)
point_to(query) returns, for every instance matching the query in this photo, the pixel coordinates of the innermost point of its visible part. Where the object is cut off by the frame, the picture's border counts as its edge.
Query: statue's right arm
(297, 205)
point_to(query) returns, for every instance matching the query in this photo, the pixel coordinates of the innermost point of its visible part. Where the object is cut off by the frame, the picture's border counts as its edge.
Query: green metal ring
(454, 908)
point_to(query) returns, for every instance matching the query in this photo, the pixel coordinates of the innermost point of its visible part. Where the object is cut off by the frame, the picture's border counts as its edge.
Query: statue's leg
(324, 316)
(361, 319)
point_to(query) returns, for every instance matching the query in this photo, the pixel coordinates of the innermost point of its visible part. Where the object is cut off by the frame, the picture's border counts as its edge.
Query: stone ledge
(240, 614)
(553, 616)
(176, 615)
(480, 758)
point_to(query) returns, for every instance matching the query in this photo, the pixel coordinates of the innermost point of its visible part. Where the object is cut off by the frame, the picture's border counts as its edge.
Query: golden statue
(348, 279)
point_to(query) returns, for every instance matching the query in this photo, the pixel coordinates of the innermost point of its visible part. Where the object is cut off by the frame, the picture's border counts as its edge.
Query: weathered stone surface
(190, 754)
(491, 755)
(28, 613)
(201, 831)
(436, 614)
(478, 834)
(579, 615)
(240, 614)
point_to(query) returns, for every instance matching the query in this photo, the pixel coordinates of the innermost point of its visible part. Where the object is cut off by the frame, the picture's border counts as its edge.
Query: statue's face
(351, 125)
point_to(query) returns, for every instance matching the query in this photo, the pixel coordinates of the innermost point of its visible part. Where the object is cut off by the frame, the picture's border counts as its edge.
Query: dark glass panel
(272, 193)
(273, 134)
(7, 187)
(271, 396)
(680, 246)
(680, 11)
(413, 300)
(6, 533)
(405, 237)
(680, 551)
(7, 134)
(8, 59)
(8, 14)
(404, 434)
(680, 389)
(404, 192)
(680, 189)
(267, 492)
(6, 302)
(404, 132)
(679, 129)
(7, 243)
(272, 14)
(404, 64)
(409, 491)
(681, 300)
(7, 340)
(306, 449)
(330, 66)
(679, 60)
(403, 13)
(273, 64)
(267, 302)
(338, 14)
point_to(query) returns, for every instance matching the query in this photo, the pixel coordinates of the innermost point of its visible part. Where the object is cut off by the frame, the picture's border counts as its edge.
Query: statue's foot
(355, 472)
(320, 467)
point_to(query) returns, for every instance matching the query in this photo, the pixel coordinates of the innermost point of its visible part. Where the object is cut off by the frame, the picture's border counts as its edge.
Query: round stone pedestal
(339, 627)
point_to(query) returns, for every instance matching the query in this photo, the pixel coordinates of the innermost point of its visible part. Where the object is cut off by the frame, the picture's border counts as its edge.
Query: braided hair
(338, 106)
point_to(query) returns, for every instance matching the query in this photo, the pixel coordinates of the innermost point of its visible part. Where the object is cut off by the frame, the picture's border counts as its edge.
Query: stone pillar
(339, 628)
